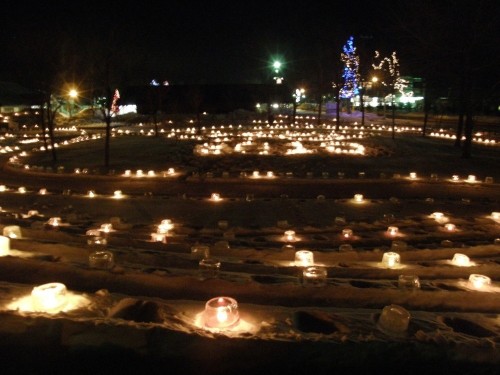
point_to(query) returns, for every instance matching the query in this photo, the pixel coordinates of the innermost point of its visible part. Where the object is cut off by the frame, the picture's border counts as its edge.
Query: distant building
(16, 98)
(209, 98)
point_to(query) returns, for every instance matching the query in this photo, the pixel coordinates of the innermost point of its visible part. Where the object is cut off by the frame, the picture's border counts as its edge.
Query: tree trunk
(362, 106)
(320, 108)
(469, 125)
(107, 142)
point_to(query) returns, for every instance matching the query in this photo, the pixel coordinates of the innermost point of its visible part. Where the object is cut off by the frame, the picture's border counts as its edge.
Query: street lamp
(277, 67)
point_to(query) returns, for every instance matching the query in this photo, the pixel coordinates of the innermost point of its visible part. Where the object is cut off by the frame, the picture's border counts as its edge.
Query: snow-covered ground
(144, 309)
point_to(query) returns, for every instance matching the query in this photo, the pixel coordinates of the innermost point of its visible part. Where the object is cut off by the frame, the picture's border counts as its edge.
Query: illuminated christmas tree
(351, 70)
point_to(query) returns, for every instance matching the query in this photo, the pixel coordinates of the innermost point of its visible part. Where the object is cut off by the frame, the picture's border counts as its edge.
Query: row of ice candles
(391, 260)
(219, 313)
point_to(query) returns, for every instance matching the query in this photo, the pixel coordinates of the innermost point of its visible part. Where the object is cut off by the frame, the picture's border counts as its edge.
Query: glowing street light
(277, 67)
(73, 94)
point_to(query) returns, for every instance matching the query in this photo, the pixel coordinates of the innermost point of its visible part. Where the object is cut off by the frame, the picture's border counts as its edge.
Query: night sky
(204, 41)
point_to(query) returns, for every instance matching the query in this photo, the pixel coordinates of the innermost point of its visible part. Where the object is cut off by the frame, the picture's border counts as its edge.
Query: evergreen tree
(350, 74)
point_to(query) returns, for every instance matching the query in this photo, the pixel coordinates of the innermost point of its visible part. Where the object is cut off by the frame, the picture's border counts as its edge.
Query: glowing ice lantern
(347, 233)
(256, 174)
(413, 176)
(117, 194)
(392, 231)
(290, 236)
(314, 276)
(270, 174)
(478, 282)
(4, 245)
(450, 227)
(460, 260)
(358, 198)
(12, 231)
(49, 297)
(101, 259)
(106, 228)
(221, 312)
(158, 237)
(394, 319)
(128, 173)
(54, 221)
(471, 178)
(165, 226)
(391, 259)
(215, 197)
(304, 258)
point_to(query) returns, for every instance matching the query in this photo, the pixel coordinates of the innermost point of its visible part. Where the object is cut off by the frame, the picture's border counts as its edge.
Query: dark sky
(207, 41)
(201, 41)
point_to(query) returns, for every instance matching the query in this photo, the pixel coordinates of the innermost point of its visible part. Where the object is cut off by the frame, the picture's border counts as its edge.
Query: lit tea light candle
(101, 259)
(392, 231)
(42, 191)
(139, 173)
(255, 174)
(106, 228)
(54, 221)
(413, 176)
(270, 174)
(49, 297)
(495, 216)
(12, 231)
(158, 237)
(165, 226)
(290, 236)
(170, 171)
(391, 259)
(151, 173)
(314, 276)
(91, 194)
(3, 188)
(117, 194)
(215, 197)
(471, 178)
(460, 260)
(221, 312)
(478, 282)
(127, 173)
(4, 245)
(439, 217)
(450, 227)
(21, 190)
(455, 177)
(358, 198)
(304, 258)
(347, 233)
